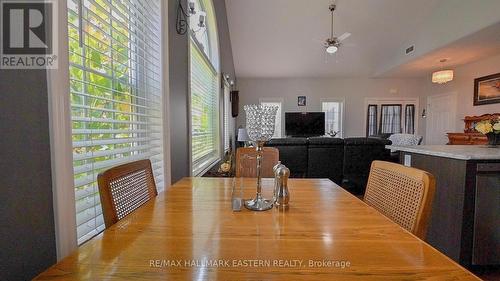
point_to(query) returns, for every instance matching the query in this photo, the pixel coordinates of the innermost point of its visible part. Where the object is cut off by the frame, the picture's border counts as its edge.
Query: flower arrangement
(490, 128)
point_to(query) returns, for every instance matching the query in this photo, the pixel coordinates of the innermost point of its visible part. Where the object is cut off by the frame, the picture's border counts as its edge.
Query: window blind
(204, 111)
(333, 117)
(277, 124)
(227, 112)
(115, 92)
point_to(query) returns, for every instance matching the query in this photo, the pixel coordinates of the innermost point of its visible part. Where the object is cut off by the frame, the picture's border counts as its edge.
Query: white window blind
(333, 116)
(227, 116)
(277, 124)
(204, 112)
(114, 52)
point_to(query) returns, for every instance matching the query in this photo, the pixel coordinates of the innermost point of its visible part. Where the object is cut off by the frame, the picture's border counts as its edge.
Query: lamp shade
(243, 135)
(442, 76)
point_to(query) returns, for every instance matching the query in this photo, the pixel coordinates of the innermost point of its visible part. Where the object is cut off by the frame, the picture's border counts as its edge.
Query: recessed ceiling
(284, 38)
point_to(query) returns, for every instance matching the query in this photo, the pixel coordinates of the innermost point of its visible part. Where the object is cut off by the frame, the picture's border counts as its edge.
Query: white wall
(353, 90)
(463, 85)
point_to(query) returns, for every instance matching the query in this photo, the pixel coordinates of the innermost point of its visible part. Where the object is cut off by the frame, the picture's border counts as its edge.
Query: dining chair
(401, 193)
(246, 162)
(125, 188)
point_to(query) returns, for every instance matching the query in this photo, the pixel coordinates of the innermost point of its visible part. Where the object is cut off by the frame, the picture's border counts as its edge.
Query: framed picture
(487, 89)
(301, 101)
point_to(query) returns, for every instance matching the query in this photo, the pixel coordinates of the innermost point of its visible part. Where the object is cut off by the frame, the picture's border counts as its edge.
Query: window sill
(206, 167)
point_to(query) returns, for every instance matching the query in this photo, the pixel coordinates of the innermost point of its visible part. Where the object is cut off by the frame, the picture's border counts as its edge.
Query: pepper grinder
(282, 196)
(275, 190)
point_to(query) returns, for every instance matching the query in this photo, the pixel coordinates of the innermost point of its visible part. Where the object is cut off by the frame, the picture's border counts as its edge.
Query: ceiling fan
(332, 44)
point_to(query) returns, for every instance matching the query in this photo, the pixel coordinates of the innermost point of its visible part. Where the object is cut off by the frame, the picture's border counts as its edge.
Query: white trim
(224, 85)
(342, 111)
(189, 111)
(400, 100)
(61, 144)
(282, 120)
(165, 82)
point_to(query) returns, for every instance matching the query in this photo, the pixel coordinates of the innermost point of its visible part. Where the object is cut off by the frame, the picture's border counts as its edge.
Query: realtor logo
(27, 34)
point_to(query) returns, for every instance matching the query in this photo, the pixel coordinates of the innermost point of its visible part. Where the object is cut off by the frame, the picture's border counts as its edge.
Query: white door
(441, 118)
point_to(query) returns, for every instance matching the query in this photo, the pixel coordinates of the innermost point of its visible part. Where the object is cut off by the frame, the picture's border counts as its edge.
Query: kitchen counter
(461, 152)
(465, 211)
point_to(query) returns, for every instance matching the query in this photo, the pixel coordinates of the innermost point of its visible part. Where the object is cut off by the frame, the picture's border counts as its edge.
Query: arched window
(204, 82)
(206, 35)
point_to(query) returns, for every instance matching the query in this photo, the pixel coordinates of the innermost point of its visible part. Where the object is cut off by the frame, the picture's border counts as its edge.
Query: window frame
(142, 131)
(414, 117)
(401, 118)
(58, 84)
(368, 119)
(342, 112)
(403, 101)
(281, 101)
(225, 86)
(215, 53)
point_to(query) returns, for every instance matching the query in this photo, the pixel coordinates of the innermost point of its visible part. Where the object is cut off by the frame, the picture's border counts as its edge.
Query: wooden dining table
(190, 232)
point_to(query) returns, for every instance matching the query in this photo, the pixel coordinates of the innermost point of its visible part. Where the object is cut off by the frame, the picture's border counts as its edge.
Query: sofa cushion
(325, 158)
(405, 139)
(359, 154)
(325, 141)
(366, 141)
(293, 154)
(287, 141)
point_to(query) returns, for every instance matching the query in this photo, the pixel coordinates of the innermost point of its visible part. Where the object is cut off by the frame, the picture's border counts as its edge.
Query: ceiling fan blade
(344, 36)
(318, 40)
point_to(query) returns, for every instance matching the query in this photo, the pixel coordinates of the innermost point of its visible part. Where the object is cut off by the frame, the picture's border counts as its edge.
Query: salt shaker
(282, 196)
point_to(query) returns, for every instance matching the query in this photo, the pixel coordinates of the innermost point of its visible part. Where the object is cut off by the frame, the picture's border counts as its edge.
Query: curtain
(410, 119)
(390, 119)
(371, 124)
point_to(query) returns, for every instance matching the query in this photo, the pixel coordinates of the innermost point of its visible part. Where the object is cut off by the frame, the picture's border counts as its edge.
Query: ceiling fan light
(331, 49)
(443, 76)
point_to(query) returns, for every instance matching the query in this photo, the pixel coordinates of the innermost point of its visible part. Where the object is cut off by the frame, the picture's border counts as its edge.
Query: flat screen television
(304, 124)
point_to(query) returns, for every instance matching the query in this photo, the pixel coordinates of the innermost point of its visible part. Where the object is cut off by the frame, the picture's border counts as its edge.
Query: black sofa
(325, 158)
(344, 161)
(359, 154)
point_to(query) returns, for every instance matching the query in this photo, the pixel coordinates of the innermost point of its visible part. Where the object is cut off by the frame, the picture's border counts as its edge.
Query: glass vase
(260, 122)
(493, 139)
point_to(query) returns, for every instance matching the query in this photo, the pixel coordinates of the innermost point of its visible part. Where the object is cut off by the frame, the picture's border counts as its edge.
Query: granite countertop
(462, 152)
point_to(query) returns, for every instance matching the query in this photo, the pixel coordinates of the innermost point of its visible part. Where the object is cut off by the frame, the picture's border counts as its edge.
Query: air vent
(410, 49)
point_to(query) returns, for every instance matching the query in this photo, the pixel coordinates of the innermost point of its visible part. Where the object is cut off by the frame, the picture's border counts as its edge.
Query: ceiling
(483, 43)
(283, 38)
